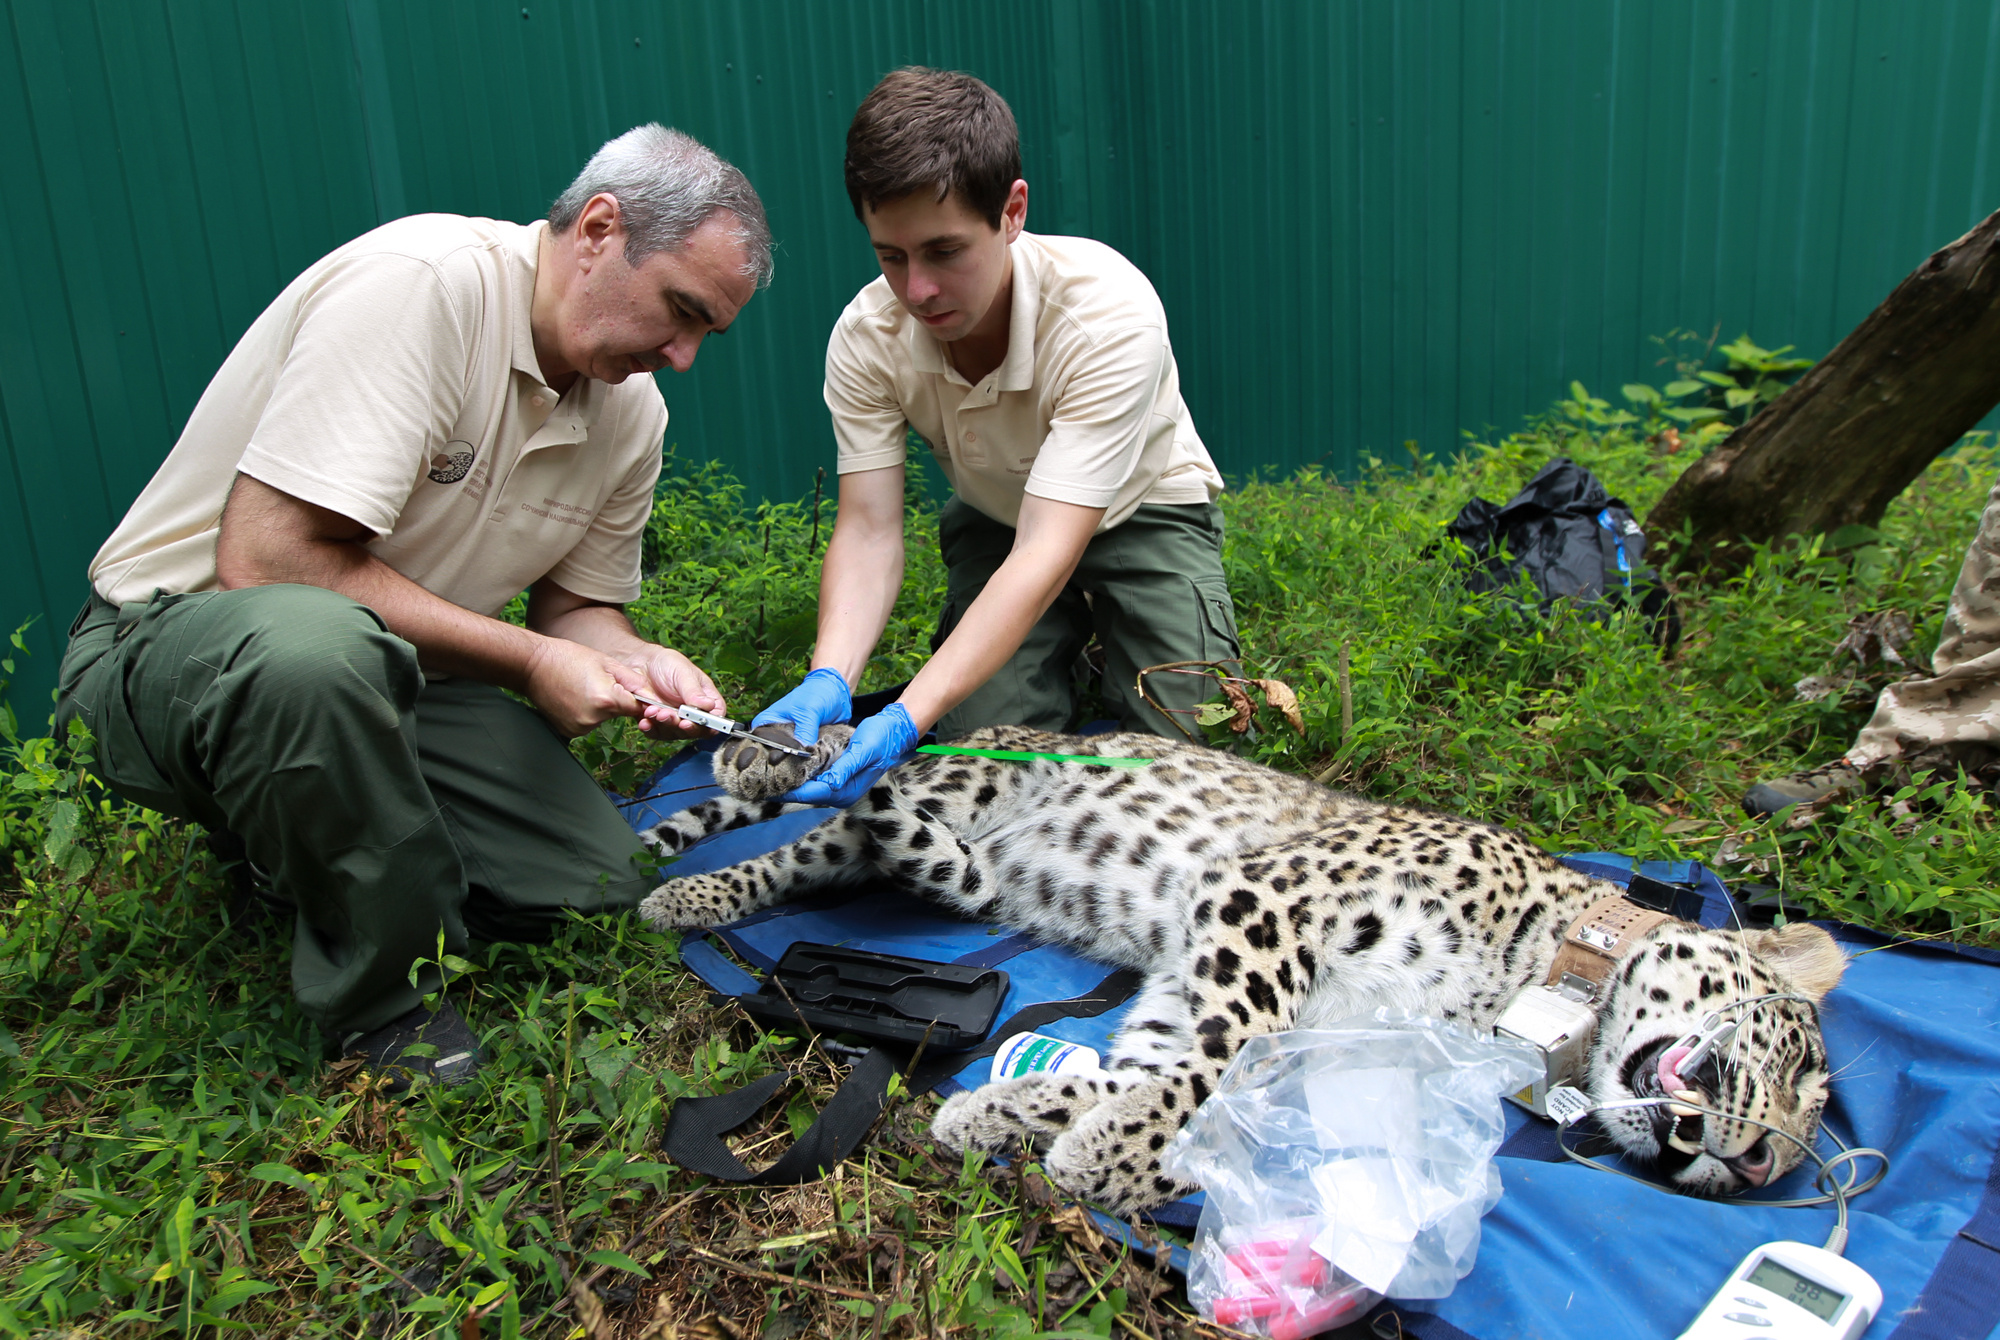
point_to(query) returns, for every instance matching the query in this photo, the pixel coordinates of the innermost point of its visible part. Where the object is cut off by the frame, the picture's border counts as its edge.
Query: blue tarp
(1913, 1030)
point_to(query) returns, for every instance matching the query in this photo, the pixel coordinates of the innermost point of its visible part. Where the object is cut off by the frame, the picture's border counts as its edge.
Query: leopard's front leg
(696, 901)
(999, 1118)
(1248, 970)
(720, 814)
(699, 901)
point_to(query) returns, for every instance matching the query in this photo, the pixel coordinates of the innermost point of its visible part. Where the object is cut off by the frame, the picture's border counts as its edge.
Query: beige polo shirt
(395, 382)
(1086, 409)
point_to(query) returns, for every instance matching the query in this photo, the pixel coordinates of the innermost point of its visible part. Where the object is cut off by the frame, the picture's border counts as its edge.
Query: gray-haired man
(293, 636)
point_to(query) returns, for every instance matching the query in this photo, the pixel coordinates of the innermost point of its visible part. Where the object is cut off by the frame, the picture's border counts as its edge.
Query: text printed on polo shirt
(570, 514)
(482, 473)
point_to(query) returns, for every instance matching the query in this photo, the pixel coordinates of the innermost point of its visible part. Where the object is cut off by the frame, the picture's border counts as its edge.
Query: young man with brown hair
(1038, 371)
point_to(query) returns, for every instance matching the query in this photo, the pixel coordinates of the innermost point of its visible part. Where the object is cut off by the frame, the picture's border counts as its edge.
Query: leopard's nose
(1754, 1164)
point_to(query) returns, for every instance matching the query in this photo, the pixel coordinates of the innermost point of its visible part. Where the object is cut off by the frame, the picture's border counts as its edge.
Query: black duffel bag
(1572, 540)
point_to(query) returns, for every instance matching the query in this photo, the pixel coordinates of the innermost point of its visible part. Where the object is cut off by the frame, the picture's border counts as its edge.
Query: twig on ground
(1929, 935)
(773, 1277)
(1179, 667)
(811, 1032)
(1346, 698)
(895, 1290)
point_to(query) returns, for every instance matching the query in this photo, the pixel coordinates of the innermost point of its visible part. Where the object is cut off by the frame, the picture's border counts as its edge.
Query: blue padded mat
(1914, 1032)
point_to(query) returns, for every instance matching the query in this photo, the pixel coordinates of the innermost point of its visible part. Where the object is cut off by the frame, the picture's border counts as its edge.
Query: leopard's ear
(1802, 954)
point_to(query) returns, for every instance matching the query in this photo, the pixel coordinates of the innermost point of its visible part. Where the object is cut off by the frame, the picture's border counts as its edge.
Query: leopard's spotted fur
(1256, 901)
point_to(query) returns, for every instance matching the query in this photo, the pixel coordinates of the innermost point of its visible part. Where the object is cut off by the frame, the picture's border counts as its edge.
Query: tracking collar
(1604, 934)
(1558, 1018)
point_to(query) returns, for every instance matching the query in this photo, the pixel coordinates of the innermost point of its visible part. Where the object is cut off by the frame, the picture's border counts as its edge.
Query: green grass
(175, 1158)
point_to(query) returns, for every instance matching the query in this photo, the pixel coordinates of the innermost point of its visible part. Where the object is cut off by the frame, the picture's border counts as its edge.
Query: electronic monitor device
(1790, 1291)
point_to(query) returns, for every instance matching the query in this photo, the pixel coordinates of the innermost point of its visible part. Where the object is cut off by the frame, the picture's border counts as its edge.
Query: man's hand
(822, 699)
(637, 666)
(576, 687)
(880, 742)
(674, 680)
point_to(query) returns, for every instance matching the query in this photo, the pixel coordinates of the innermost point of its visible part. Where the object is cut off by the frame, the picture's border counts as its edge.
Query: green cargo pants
(385, 808)
(1151, 589)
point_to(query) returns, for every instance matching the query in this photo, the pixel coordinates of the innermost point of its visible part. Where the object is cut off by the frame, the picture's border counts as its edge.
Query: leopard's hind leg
(999, 1117)
(1247, 969)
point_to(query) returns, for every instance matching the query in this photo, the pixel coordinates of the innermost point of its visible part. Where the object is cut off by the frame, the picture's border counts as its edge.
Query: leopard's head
(749, 771)
(1773, 1069)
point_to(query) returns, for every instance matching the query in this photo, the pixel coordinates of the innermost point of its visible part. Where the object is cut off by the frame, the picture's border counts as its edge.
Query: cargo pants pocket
(1219, 641)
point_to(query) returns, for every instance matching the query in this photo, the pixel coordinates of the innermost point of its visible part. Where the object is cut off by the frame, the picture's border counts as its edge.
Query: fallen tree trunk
(1864, 421)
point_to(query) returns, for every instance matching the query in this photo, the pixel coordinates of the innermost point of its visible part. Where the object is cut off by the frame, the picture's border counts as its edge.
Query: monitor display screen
(1814, 1297)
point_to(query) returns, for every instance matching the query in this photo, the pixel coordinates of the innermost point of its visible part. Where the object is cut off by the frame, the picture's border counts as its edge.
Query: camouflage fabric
(1953, 717)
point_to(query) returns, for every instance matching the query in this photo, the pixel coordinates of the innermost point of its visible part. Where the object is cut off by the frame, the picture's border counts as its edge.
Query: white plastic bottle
(1037, 1053)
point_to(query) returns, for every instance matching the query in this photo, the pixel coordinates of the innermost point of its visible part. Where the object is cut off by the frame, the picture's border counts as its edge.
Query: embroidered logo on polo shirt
(449, 466)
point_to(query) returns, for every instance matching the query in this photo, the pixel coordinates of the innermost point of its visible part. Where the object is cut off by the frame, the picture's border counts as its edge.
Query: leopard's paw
(694, 901)
(749, 771)
(999, 1116)
(1112, 1155)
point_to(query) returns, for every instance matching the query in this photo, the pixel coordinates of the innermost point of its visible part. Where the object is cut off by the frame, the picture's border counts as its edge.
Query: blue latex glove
(879, 743)
(821, 699)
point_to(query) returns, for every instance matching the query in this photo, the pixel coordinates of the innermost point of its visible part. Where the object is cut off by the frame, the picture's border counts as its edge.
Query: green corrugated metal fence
(1370, 222)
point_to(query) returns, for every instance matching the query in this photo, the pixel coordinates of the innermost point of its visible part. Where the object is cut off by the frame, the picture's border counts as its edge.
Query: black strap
(695, 1127)
(1108, 994)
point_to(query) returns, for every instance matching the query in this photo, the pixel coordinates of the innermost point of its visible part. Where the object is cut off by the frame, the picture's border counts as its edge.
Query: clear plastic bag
(1343, 1165)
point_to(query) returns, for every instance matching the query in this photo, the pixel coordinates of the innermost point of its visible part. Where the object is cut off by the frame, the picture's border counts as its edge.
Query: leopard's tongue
(1670, 1069)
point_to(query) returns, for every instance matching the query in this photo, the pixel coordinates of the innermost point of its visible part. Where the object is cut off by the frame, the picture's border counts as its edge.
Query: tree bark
(1839, 445)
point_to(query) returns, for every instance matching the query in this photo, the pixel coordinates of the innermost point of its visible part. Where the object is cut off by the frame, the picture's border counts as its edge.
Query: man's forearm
(268, 536)
(858, 586)
(1048, 544)
(991, 630)
(603, 627)
(449, 639)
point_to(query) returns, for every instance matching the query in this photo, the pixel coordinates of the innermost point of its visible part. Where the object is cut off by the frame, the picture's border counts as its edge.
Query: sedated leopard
(1254, 901)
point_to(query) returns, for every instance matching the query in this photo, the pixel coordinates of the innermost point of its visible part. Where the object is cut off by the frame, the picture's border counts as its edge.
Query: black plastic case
(1676, 900)
(880, 996)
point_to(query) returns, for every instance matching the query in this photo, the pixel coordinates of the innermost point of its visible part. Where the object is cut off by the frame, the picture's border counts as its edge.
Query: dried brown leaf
(1279, 695)
(589, 1311)
(1239, 700)
(1073, 1221)
(1689, 825)
(661, 1327)
(1878, 636)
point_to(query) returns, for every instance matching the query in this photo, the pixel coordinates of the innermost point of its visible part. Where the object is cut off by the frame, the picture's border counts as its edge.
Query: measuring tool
(694, 716)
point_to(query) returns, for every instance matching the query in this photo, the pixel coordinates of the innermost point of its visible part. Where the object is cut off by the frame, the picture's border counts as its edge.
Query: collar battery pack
(1558, 1017)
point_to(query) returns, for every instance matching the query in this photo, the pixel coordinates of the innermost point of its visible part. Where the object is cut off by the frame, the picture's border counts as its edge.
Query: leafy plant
(1702, 405)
